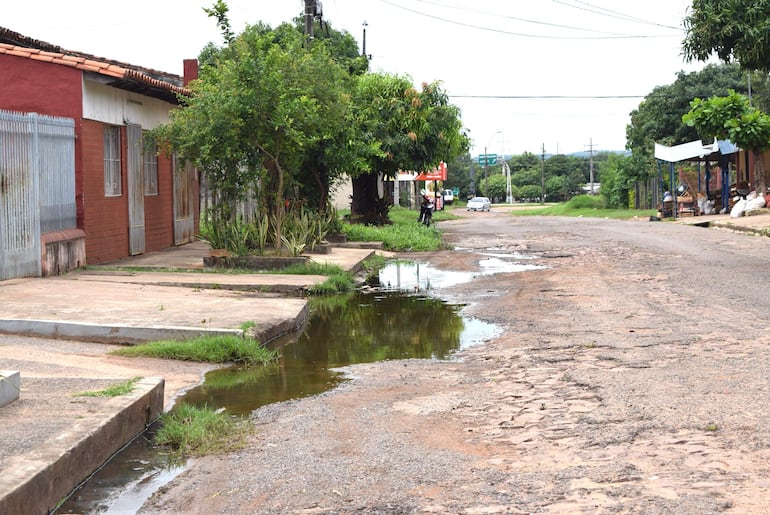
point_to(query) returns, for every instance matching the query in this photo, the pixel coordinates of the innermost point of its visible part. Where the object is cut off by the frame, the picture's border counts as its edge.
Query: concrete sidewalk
(111, 306)
(758, 224)
(50, 439)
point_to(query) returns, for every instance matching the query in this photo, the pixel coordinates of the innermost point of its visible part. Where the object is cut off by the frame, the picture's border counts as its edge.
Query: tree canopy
(398, 128)
(733, 117)
(734, 30)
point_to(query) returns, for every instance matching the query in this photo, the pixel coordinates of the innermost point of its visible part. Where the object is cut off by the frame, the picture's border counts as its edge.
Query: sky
(559, 76)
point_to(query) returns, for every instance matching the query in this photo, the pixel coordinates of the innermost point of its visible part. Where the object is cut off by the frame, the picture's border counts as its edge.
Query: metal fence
(37, 187)
(647, 194)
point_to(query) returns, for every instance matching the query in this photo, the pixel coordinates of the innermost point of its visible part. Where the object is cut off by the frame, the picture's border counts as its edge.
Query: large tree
(397, 128)
(734, 30)
(258, 105)
(733, 117)
(658, 119)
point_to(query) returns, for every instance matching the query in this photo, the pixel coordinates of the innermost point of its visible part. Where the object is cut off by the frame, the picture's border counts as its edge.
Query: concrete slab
(10, 386)
(110, 310)
(49, 440)
(35, 481)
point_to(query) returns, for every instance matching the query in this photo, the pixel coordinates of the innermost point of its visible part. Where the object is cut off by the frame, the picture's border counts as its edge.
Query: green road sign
(487, 159)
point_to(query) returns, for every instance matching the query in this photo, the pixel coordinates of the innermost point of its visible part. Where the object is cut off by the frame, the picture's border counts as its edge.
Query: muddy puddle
(399, 320)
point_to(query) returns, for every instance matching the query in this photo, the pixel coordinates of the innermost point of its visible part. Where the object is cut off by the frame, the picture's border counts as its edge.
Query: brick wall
(159, 210)
(105, 219)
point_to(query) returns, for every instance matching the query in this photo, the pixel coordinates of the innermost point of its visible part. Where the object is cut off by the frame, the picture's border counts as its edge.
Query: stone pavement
(51, 439)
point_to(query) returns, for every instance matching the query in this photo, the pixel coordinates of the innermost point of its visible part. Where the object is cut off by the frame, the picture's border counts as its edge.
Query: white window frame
(150, 168)
(113, 177)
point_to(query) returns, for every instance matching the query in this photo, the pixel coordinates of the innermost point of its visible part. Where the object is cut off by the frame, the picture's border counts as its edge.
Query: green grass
(585, 206)
(112, 391)
(191, 431)
(311, 268)
(337, 283)
(404, 234)
(206, 349)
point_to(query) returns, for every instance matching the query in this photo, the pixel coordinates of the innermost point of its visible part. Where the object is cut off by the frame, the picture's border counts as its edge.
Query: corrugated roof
(146, 81)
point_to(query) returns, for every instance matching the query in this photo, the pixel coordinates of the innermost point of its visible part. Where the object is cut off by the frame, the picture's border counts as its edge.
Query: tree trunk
(367, 206)
(759, 174)
(276, 209)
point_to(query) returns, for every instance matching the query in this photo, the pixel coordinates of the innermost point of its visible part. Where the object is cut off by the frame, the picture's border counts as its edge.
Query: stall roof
(693, 150)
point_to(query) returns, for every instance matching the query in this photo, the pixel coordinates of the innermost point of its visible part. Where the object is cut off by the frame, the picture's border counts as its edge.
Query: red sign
(437, 174)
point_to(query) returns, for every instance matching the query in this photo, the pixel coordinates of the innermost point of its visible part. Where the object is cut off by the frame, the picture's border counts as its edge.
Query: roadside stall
(701, 184)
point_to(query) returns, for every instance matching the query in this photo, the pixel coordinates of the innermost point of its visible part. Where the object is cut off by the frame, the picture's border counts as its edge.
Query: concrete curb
(10, 386)
(36, 482)
(118, 334)
(757, 231)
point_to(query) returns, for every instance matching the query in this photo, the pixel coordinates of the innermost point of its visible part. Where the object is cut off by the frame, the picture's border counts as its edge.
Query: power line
(520, 34)
(550, 97)
(613, 14)
(525, 20)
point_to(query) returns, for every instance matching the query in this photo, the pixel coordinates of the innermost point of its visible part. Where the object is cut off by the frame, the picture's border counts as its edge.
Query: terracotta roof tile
(94, 65)
(39, 57)
(65, 62)
(18, 51)
(50, 54)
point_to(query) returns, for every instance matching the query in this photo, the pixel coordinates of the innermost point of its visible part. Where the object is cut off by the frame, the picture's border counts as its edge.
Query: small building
(77, 183)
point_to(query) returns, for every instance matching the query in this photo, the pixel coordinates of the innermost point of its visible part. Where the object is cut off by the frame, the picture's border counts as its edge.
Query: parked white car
(479, 204)
(449, 196)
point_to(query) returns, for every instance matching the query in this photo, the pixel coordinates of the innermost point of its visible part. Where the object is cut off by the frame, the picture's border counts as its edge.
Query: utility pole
(309, 14)
(591, 162)
(364, 45)
(542, 176)
(486, 169)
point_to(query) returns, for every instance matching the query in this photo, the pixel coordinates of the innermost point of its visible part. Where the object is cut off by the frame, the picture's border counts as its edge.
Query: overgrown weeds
(586, 206)
(191, 431)
(112, 391)
(206, 349)
(403, 234)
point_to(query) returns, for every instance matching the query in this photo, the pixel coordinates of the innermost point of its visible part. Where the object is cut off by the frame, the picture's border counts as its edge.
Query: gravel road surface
(631, 377)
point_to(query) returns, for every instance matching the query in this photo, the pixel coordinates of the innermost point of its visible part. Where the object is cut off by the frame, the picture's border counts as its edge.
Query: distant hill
(584, 154)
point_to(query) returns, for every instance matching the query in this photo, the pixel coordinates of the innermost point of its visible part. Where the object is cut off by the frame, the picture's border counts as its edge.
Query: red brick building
(128, 199)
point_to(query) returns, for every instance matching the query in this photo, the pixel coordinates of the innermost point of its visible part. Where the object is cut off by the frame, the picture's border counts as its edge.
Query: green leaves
(734, 30)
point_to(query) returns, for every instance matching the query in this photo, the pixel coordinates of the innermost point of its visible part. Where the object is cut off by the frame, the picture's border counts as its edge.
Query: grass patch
(403, 234)
(311, 268)
(334, 284)
(191, 431)
(585, 206)
(371, 267)
(207, 349)
(112, 391)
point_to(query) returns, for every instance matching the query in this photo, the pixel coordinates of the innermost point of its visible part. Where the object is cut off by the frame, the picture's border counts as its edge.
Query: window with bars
(112, 180)
(151, 170)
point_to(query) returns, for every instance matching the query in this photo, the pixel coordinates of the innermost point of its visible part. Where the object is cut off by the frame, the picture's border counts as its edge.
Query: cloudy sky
(527, 74)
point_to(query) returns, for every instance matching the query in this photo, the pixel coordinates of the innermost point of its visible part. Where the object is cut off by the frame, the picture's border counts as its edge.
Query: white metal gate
(37, 187)
(135, 162)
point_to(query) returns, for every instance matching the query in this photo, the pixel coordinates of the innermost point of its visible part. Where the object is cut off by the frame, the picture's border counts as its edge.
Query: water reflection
(343, 330)
(407, 276)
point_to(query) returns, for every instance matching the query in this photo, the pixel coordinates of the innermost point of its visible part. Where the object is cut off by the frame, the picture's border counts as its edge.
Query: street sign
(487, 159)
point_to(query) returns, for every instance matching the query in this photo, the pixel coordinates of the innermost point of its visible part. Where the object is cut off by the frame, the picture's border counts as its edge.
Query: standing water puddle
(343, 330)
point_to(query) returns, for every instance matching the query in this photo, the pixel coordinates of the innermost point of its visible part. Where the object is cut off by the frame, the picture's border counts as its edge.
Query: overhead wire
(516, 18)
(521, 34)
(612, 14)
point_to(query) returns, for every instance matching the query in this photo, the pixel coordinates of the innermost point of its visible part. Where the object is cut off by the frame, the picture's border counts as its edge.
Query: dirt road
(632, 377)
